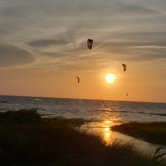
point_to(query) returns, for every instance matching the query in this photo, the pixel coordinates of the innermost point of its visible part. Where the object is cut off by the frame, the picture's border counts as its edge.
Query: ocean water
(100, 110)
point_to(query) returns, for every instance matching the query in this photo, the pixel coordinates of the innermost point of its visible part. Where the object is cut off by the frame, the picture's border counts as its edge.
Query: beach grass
(26, 139)
(153, 132)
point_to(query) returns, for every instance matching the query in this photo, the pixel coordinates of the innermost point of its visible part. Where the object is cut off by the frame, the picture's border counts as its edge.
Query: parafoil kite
(89, 43)
(124, 67)
(78, 79)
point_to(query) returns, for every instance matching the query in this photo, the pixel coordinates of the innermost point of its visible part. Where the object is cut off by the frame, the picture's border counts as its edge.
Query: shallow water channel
(103, 129)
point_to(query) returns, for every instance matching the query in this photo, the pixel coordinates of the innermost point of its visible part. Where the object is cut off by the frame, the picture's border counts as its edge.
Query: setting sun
(110, 78)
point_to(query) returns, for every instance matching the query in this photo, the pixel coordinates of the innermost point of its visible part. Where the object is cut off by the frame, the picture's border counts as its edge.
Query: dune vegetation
(153, 132)
(26, 139)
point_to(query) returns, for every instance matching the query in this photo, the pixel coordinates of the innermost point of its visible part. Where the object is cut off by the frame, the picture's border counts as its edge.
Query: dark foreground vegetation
(154, 132)
(26, 139)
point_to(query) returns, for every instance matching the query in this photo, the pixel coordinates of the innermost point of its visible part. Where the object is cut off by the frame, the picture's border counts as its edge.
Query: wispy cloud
(58, 30)
(47, 43)
(13, 56)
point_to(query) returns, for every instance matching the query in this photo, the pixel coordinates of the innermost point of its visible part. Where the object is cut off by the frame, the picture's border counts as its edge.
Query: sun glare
(110, 78)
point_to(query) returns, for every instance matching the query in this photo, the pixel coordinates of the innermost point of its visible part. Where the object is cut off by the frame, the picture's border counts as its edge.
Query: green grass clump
(57, 142)
(154, 132)
(21, 116)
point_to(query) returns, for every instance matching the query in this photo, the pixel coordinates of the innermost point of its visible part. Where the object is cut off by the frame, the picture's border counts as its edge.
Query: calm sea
(115, 111)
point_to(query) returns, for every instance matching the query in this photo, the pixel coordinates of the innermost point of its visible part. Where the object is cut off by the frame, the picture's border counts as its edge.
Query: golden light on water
(107, 132)
(110, 78)
(107, 136)
(107, 129)
(103, 129)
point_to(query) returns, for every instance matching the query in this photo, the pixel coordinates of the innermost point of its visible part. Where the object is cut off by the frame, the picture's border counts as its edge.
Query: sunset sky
(43, 47)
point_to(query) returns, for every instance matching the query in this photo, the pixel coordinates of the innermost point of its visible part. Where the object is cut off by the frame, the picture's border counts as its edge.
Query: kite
(124, 67)
(78, 79)
(89, 43)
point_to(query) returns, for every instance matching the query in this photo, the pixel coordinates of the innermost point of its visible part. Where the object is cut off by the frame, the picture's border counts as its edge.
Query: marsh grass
(154, 132)
(159, 155)
(22, 116)
(28, 140)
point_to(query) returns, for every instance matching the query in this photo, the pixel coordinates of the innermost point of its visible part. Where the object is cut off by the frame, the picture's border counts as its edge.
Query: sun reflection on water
(102, 128)
(107, 136)
(106, 129)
